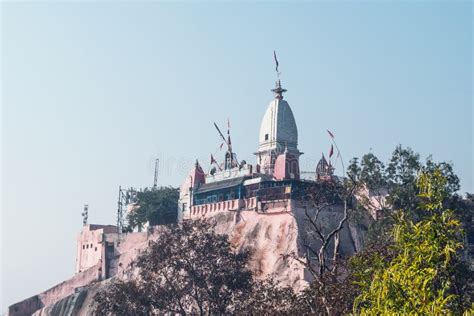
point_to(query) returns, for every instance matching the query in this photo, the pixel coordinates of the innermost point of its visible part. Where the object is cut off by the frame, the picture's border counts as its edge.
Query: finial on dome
(278, 90)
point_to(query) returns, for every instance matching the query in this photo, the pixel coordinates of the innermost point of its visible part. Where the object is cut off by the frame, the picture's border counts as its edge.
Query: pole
(155, 181)
(119, 211)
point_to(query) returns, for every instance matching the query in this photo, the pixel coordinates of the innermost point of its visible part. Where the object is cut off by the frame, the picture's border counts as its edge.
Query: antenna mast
(125, 198)
(85, 214)
(155, 181)
(120, 206)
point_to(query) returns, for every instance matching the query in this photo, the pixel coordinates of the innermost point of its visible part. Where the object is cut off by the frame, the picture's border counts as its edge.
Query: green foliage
(155, 206)
(372, 172)
(353, 170)
(418, 279)
(379, 231)
(122, 299)
(375, 257)
(331, 294)
(452, 181)
(267, 297)
(398, 177)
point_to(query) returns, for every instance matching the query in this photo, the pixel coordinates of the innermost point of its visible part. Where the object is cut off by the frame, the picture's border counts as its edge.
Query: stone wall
(56, 293)
(25, 307)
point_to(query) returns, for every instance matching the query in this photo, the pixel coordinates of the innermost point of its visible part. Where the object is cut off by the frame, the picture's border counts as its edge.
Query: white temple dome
(278, 129)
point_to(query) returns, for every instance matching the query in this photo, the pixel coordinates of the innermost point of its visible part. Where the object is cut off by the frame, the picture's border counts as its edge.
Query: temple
(263, 187)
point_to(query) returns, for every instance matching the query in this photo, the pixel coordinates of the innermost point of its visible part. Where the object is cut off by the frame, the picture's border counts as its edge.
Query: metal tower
(125, 197)
(155, 181)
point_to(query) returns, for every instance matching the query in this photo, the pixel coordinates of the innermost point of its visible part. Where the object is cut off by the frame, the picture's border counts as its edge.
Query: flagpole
(340, 157)
(338, 152)
(276, 64)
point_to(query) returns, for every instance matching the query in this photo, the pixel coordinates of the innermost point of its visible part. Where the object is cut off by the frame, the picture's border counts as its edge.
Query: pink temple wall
(250, 204)
(200, 211)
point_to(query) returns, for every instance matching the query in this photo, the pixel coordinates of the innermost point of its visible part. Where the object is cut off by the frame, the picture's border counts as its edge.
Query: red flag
(213, 160)
(330, 134)
(331, 151)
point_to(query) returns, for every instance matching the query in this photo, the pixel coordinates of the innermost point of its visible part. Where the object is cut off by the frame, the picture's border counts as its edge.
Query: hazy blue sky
(93, 92)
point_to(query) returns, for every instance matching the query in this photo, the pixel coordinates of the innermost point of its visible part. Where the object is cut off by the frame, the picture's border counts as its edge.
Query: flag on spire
(331, 151)
(330, 134)
(213, 160)
(276, 60)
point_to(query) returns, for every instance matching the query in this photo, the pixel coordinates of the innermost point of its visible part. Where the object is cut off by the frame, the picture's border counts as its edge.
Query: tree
(446, 169)
(123, 298)
(329, 289)
(402, 171)
(353, 170)
(394, 184)
(190, 269)
(372, 173)
(331, 294)
(371, 187)
(419, 278)
(338, 282)
(269, 298)
(154, 206)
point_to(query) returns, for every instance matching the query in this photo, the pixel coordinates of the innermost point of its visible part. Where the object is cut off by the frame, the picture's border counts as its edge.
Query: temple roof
(224, 184)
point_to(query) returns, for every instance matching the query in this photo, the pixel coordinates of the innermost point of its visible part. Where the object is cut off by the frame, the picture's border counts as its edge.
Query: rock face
(79, 303)
(270, 235)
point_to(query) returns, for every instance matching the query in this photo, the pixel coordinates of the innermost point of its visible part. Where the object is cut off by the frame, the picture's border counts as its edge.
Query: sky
(93, 92)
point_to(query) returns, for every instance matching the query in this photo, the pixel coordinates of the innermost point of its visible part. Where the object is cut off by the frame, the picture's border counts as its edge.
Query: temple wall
(209, 209)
